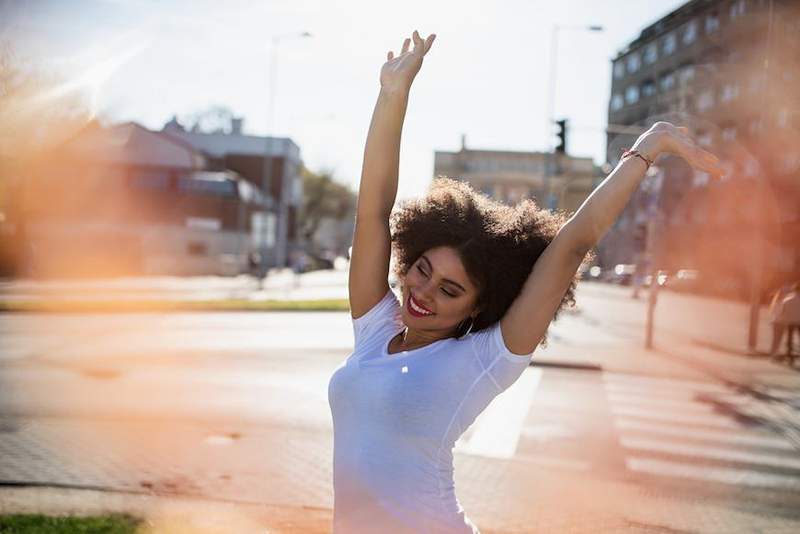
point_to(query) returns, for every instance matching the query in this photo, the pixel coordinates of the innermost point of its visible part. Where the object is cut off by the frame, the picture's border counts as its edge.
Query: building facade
(271, 164)
(124, 200)
(556, 181)
(730, 70)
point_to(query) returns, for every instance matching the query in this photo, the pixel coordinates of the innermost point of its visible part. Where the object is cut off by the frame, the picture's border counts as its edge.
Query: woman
(479, 282)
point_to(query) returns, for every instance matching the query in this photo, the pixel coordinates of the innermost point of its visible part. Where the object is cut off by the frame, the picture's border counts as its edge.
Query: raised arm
(369, 261)
(526, 321)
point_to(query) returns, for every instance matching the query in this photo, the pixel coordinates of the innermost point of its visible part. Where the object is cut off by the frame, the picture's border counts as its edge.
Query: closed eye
(421, 270)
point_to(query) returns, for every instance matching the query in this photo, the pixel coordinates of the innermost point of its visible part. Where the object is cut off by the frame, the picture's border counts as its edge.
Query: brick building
(509, 176)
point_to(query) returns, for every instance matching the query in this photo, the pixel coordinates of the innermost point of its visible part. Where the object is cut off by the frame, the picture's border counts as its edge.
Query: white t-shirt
(396, 418)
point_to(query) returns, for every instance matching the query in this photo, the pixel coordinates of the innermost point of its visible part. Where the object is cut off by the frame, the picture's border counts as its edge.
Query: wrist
(649, 145)
(397, 91)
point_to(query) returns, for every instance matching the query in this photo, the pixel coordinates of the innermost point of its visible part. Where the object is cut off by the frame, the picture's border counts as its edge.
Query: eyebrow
(430, 266)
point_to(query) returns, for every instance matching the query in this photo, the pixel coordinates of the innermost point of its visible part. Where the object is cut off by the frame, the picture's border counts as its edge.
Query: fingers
(390, 56)
(705, 161)
(418, 43)
(429, 42)
(406, 44)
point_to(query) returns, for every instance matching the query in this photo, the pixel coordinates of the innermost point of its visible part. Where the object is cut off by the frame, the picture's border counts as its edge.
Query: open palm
(399, 71)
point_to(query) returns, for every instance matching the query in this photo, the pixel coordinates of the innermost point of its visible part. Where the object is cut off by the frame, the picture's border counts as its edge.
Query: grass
(42, 524)
(102, 306)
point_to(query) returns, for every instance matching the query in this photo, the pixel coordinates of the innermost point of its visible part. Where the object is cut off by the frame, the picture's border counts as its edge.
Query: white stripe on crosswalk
(666, 404)
(498, 428)
(713, 474)
(714, 453)
(734, 438)
(646, 391)
(667, 383)
(692, 419)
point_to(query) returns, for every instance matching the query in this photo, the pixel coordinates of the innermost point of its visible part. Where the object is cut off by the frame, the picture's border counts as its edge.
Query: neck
(415, 338)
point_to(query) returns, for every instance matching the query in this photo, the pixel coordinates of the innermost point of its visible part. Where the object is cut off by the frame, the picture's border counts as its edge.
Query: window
(195, 248)
(150, 180)
(617, 102)
(783, 118)
(648, 88)
(705, 101)
(751, 167)
(619, 69)
(712, 23)
(729, 133)
(690, 33)
(790, 162)
(650, 53)
(633, 62)
(632, 94)
(700, 179)
(737, 9)
(687, 74)
(730, 91)
(669, 44)
(704, 139)
(667, 82)
(189, 184)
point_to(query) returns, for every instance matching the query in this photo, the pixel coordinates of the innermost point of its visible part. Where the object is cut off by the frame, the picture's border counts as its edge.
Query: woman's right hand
(398, 72)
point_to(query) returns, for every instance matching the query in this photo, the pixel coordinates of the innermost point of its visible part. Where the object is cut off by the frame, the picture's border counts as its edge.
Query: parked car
(623, 274)
(684, 280)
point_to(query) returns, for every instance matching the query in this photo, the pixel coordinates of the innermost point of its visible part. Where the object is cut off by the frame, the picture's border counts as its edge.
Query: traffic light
(562, 136)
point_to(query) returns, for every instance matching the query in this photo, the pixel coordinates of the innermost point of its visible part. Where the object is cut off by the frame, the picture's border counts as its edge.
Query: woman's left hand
(664, 137)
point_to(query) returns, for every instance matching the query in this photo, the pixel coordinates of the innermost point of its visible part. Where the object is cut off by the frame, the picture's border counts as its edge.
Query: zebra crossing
(706, 432)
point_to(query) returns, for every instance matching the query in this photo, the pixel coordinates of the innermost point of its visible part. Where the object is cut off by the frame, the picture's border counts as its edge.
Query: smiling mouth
(416, 309)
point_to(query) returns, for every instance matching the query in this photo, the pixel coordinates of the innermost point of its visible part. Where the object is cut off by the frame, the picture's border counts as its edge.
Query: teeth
(417, 308)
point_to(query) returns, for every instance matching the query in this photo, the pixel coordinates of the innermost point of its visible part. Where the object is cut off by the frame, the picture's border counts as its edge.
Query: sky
(486, 77)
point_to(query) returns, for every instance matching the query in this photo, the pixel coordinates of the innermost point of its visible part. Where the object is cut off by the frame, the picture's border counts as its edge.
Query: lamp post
(266, 181)
(551, 98)
(757, 272)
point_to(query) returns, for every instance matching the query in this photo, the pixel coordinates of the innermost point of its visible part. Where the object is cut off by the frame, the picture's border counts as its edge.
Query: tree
(214, 119)
(323, 198)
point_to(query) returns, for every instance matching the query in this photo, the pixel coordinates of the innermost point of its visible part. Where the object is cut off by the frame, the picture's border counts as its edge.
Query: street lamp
(551, 96)
(266, 183)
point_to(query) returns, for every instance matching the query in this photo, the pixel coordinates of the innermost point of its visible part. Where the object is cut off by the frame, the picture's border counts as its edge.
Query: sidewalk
(280, 284)
(168, 514)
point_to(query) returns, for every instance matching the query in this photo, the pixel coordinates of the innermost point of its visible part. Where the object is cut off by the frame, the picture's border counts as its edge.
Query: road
(234, 406)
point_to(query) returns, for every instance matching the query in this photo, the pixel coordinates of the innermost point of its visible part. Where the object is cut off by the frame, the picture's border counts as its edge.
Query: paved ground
(216, 420)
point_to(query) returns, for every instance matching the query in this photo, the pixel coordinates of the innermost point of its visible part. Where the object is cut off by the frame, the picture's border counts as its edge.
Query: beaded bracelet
(637, 154)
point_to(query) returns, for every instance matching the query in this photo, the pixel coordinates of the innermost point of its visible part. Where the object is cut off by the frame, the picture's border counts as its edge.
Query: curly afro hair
(498, 244)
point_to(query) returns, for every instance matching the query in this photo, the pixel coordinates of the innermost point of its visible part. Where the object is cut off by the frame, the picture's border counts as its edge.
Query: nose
(425, 292)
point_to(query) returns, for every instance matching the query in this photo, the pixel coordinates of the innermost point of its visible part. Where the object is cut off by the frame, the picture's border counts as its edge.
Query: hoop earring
(471, 324)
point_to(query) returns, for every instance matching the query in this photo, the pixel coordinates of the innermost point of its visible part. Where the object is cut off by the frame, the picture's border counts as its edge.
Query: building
(123, 200)
(509, 177)
(271, 164)
(730, 70)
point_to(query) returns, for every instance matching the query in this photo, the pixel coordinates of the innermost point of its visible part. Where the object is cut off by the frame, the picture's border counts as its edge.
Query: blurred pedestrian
(479, 284)
(775, 308)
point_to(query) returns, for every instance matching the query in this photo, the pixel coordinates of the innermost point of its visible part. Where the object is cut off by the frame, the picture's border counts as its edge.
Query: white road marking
(668, 383)
(714, 453)
(693, 419)
(657, 402)
(734, 438)
(497, 430)
(646, 391)
(723, 475)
